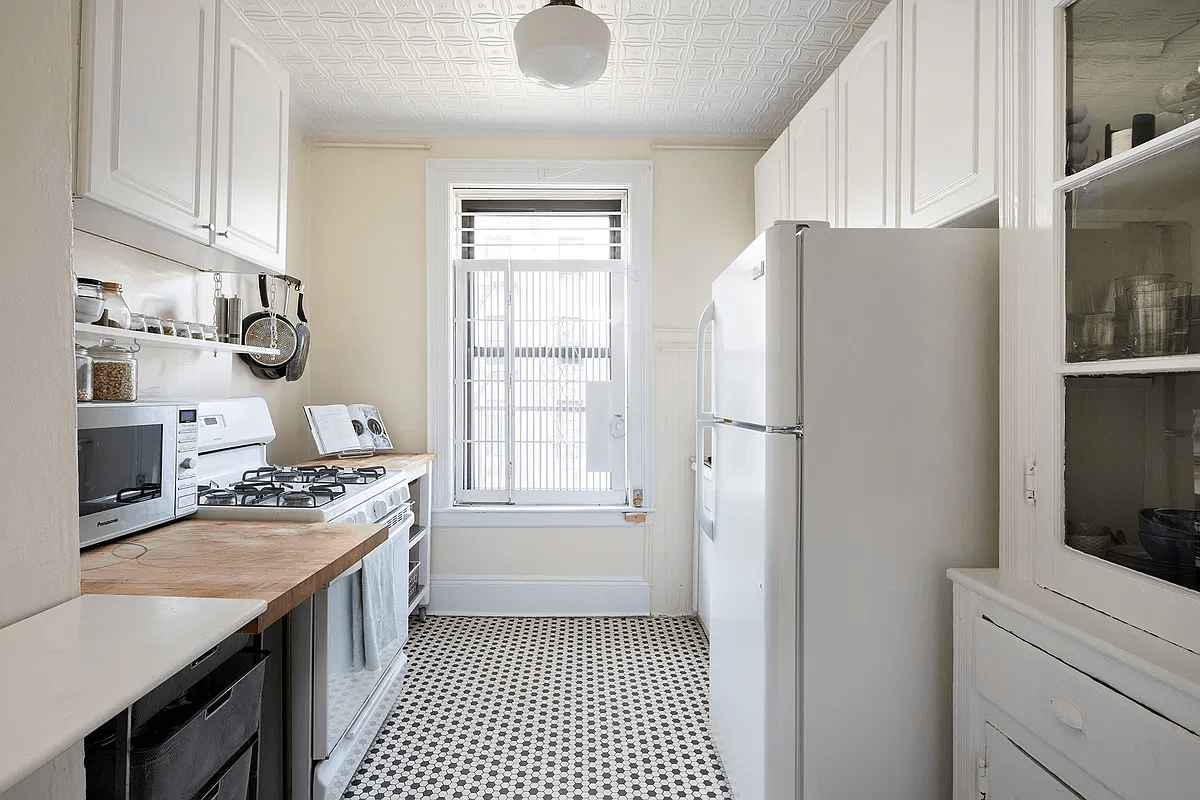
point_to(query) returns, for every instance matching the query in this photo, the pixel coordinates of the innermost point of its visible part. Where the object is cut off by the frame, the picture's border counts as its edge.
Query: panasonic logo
(108, 522)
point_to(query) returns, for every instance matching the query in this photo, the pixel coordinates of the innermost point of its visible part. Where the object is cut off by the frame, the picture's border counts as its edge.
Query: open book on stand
(350, 430)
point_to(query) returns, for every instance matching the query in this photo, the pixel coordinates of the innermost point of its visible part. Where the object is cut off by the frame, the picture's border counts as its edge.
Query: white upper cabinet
(812, 156)
(771, 200)
(948, 109)
(157, 79)
(868, 89)
(145, 144)
(250, 206)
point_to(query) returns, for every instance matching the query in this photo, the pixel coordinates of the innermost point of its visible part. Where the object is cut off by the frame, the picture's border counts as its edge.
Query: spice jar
(182, 329)
(197, 330)
(83, 374)
(137, 322)
(210, 332)
(153, 324)
(115, 305)
(114, 372)
(168, 327)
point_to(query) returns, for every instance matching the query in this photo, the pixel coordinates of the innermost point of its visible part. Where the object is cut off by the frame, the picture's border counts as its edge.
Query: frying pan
(256, 332)
(295, 364)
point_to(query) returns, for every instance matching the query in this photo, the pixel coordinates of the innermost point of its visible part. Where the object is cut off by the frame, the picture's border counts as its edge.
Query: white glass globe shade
(562, 46)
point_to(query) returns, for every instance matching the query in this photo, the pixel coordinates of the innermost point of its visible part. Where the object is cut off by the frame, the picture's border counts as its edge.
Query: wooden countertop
(405, 461)
(280, 563)
(67, 670)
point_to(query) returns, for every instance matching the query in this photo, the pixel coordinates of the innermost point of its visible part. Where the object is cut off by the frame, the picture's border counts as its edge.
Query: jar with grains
(83, 374)
(197, 330)
(153, 324)
(114, 303)
(114, 372)
(168, 327)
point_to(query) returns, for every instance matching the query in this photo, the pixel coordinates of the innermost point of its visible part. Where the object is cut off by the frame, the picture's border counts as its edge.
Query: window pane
(577, 235)
(1125, 58)
(1131, 471)
(562, 340)
(485, 380)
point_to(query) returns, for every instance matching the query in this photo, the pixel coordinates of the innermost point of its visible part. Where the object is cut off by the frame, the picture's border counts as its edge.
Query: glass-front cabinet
(1118, 321)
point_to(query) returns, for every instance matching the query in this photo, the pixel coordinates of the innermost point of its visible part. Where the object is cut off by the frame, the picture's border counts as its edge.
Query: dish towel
(379, 627)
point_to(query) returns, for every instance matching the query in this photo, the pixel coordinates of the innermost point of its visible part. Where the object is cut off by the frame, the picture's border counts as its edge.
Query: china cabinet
(812, 156)
(1116, 364)
(772, 199)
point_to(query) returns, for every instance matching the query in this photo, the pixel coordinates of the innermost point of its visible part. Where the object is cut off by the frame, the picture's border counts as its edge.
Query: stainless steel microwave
(137, 467)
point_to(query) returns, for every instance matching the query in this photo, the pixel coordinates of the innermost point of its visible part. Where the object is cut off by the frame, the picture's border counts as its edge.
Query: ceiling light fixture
(561, 45)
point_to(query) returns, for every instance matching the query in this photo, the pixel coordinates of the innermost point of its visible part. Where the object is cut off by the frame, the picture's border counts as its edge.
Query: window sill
(537, 516)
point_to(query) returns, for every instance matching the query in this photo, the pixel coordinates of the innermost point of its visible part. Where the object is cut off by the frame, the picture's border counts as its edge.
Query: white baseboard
(541, 596)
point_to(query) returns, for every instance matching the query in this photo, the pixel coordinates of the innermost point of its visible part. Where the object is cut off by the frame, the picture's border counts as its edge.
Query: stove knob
(394, 498)
(378, 508)
(188, 463)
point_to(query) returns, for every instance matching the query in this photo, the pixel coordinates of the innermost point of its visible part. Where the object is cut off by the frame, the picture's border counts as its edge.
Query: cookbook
(352, 428)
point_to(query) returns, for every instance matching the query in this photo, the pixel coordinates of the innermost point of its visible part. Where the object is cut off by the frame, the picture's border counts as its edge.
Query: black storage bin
(174, 687)
(181, 748)
(233, 783)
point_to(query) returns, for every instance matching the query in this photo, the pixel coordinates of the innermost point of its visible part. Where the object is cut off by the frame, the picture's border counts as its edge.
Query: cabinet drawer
(1125, 746)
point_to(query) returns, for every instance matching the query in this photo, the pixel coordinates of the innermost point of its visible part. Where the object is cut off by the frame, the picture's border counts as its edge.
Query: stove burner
(212, 496)
(330, 491)
(298, 499)
(311, 474)
(259, 473)
(257, 493)
(358, 475)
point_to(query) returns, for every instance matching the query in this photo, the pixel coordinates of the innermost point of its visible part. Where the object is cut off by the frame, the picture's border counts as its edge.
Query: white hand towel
(378, 603)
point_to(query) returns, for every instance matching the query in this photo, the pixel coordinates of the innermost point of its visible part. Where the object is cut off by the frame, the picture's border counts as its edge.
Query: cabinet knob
(1067, 713)
(223, 233)
(188, 463)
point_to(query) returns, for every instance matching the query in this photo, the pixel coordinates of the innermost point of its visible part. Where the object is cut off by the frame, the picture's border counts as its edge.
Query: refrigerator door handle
(704, 520)
(706, 321)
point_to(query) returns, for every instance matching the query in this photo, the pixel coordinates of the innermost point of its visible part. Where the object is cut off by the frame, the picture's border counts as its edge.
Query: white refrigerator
(854, 426)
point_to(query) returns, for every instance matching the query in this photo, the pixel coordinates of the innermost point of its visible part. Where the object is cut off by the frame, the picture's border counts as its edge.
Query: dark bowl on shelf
(1169, 534)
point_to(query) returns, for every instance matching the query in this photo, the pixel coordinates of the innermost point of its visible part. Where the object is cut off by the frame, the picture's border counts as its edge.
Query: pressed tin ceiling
(710, 68)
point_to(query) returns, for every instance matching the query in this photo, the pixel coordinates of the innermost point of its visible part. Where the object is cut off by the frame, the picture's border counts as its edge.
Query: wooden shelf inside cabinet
(86, 333)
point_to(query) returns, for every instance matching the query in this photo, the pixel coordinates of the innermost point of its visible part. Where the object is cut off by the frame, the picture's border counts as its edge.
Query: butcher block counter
(409, 462)
(280, 563)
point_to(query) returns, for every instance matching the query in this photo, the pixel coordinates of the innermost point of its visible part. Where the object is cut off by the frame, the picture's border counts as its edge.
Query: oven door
(126, 460)
(342, 690)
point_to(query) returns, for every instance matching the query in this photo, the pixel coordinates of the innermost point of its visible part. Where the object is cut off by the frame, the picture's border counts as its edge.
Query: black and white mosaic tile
(499, 708)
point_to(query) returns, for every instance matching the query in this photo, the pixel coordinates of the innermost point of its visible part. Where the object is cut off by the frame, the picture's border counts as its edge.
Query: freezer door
(755, 331)
(753, 650)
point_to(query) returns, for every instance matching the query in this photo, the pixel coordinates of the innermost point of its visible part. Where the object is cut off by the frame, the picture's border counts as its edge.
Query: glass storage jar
(197, 330)
(83, 374)
(114, 372)
(210, 333)
(153, 324)
(137, 322)
(168, 327)
(114, 303)
(89, 300)
(182, 329)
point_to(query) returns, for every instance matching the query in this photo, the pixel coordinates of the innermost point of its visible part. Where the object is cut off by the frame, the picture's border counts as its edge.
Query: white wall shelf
(1159, 144)
(94, 334)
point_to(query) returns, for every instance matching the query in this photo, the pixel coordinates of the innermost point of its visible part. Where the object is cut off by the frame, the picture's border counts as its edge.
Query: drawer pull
(1067, 713)
(205, 655)
(218, 703)
(212, 793)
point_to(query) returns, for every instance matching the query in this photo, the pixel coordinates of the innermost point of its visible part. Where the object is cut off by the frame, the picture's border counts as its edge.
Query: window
(536, 398)
(540, 349)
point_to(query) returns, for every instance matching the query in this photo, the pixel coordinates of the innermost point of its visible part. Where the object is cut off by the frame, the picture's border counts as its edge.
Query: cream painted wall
(164, 288)
(40, 568)
(368, 274)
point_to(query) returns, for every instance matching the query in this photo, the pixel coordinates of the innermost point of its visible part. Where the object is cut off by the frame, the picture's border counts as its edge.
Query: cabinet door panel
(1013, 775)
(252, 147)
(812, 156)
(146, 127)
(867, 93)
(771, 201)
(948, 119)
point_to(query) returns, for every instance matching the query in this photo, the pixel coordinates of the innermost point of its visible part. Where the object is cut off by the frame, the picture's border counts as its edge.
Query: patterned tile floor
(498, 708)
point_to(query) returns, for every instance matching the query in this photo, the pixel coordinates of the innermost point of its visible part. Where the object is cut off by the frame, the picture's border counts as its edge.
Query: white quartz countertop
(69, 669)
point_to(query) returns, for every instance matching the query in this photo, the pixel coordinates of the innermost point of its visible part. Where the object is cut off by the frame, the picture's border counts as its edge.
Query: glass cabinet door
(1119, 396)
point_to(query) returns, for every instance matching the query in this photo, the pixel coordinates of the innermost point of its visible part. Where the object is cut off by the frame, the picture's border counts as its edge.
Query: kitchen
(356, 213)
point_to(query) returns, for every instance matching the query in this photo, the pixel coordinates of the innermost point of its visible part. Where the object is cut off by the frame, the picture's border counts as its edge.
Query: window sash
(598, 424)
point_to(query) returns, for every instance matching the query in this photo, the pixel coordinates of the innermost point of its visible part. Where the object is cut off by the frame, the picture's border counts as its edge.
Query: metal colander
(258, 334)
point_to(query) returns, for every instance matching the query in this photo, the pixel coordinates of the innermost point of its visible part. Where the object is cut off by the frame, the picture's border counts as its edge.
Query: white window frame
(443, 177)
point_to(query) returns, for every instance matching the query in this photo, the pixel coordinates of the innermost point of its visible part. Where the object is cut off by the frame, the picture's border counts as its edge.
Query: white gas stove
(235, 481)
